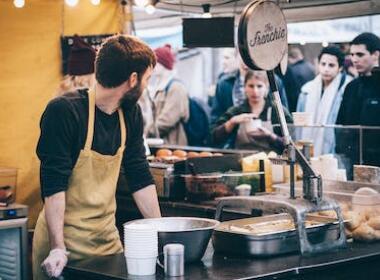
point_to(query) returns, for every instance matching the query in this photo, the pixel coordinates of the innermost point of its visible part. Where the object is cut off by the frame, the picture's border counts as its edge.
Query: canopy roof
(295, 10)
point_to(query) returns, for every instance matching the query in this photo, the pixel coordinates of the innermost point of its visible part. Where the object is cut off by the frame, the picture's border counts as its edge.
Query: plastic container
(8, 180)
(141, 266)
(365, 198)
(302, 118)
(253, 125)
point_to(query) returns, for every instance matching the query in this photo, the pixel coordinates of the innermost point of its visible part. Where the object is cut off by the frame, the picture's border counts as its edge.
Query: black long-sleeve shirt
(360, 106)
(63, 134)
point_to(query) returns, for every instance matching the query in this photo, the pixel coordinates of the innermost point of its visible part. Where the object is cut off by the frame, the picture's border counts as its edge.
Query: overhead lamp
(206, 11)
(325, 44)
(150, 9)
(303, 43)
(95, 2)
(19, 3)
(71, 3)
(141, 3)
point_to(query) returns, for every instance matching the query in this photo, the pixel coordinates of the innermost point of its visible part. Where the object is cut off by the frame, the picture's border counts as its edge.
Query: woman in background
(237, 128)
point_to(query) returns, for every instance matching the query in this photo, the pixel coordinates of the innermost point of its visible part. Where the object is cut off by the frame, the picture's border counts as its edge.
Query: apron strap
(91, 120)
(123, 130)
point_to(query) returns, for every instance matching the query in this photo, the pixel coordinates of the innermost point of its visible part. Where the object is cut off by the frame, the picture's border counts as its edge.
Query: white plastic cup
(141, 266)
(253, 125)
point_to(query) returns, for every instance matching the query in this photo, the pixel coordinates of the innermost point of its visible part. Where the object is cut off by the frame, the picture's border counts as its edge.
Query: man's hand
(53, 265)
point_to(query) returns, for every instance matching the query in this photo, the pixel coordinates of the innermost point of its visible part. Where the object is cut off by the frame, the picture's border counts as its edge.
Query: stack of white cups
(140, 249)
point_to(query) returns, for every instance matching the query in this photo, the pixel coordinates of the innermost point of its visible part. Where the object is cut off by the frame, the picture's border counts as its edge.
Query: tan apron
(244, 141)
(89, 222)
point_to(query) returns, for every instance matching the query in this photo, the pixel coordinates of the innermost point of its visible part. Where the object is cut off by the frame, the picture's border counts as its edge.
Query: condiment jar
(174, 260)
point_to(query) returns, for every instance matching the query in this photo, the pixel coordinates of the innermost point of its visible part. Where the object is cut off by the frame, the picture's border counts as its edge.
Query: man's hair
(370, 40)
(335, 51)
(120, 56)
(295, 53)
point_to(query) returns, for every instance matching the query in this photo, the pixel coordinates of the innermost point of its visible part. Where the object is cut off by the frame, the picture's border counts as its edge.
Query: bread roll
(163, 153)
(192, 154)
(357, 218)
(180, 153)
(374, 223)
(347, 215)
(365, 233)
(205, 154)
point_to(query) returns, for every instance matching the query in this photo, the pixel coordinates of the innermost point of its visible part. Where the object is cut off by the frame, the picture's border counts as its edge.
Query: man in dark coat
(361, 104)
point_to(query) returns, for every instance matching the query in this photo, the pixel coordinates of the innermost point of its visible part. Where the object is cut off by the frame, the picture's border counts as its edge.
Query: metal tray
(277, 242)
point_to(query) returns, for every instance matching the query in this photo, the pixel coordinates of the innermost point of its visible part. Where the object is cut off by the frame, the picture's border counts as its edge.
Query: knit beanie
(165, 56)
(81, 58)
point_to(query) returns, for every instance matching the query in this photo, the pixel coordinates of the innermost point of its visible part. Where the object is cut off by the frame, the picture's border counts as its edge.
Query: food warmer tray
(229, 241)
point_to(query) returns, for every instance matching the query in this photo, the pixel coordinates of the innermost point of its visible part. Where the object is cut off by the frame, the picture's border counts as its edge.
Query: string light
(325, 44)
(141, 3)
(95, 2)
(71, 3)
(206, 11)
(19, 3)
(150, 9)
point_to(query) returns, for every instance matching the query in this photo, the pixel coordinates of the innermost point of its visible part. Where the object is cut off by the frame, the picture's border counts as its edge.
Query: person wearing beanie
(361, 104)
(169, 101)
(80, 67)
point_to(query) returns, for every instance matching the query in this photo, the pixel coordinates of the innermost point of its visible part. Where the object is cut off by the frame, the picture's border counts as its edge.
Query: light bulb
(303, 43)
(71, 3)
(150, 9)
(206, 15)
(141, 3)
(206, 11)
(95, 2)
(325, 44)
(19, 3)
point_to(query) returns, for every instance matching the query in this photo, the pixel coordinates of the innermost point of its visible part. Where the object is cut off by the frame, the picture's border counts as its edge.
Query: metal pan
(227, 240)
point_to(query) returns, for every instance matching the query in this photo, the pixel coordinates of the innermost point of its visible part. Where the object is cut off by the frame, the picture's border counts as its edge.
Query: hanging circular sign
(262, 35)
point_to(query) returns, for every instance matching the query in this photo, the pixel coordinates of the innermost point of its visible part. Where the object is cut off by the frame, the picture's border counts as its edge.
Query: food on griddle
(205, 154)
(328, 213)
(217, 154)
(163, 153)
(180, 153)
(270, 227)
(192, 154)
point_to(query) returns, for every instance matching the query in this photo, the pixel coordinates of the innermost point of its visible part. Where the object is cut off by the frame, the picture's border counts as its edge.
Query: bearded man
(86, 136)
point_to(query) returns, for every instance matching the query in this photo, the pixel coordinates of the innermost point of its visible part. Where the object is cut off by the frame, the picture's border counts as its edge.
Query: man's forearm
(54, 214)
(147, 202)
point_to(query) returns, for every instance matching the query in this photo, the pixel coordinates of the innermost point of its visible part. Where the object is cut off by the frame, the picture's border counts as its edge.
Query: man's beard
(131, 97)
